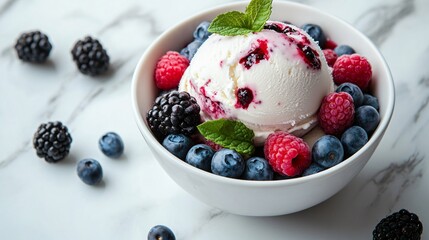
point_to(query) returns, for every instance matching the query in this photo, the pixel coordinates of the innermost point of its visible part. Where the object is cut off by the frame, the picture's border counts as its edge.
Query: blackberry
(33, 47)
(52, 141)
(173, 113)
(399, 225)
(90, 56)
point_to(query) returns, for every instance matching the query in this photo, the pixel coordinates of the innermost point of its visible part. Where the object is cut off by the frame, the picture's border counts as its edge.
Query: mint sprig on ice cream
(238, 23)
(229, 134)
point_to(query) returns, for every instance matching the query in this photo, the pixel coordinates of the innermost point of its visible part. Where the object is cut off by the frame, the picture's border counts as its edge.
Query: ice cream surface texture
(270, 80)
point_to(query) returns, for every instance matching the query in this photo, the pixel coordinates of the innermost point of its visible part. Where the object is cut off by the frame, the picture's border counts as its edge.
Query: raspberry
(330, 56)
(200, 139)
(352, 68)
(169, 70)
(336, 113)
(330, 44)
(216, 147)
(287, 154)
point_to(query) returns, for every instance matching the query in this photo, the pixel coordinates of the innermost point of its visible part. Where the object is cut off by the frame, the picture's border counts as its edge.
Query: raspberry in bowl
(307, 180)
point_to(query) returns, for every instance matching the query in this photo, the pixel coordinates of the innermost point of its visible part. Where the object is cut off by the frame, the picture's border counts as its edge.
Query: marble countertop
(39, 200)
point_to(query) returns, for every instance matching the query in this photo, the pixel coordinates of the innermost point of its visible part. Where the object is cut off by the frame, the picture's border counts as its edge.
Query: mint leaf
(229, 134)
(229, 24)
(238, 23)
(258, 12)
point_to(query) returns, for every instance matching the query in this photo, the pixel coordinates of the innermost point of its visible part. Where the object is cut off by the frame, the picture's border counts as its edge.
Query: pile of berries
(88, 54)
(52, 141)
(348, 117)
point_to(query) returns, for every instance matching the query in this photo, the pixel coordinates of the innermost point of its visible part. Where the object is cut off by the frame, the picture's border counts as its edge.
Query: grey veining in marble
(133, 12)
(381, 20)
(405, 173)
(6, 6)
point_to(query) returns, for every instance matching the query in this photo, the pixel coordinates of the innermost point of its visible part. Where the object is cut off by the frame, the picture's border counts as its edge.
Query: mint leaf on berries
(229, 134)
(237, 23)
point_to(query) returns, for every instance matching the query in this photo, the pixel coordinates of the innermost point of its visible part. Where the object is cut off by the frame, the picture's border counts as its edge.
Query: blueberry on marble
(344, 50)
(200, 156)
(371, 100)
(190, 50)
(177, 144)
(367, 117)
(353, 90)
(227, 163)
(201, 31)
(257, 168)
(89, 171)
(316, 32)
(160, 232)
(327, 151)
(313, 169)
(353, 139)
(111, 145)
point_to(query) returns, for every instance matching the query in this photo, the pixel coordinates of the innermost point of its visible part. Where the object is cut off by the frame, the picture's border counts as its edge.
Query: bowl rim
(151, 140)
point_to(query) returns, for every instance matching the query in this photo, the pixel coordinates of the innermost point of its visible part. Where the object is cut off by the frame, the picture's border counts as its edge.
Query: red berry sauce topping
(244, 98)
(274, 26)
(256, 55)
(307, 53)
(212, 108)
(310, 56)
(288, 29)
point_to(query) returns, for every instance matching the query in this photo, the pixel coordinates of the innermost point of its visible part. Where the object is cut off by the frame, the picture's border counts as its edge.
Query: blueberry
(111, 145)
(353, 139)
(344, 50)
(367, 117)
(257, 168)
(190, 50)
(353, 90)
(200, 156)
(368, 99)
(89, 171)
(160, 232)
(177, 144)
(327, 151)
(227, 163)
(316, 32)
(313, 169)
(201, 32)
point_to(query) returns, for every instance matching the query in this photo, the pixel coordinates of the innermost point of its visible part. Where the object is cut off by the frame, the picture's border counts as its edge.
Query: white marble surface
(48, 201)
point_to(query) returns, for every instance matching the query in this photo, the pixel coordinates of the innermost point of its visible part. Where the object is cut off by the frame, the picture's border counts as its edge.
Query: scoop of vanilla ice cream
(270, 80)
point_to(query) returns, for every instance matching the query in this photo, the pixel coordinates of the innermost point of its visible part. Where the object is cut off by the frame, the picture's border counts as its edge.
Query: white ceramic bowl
(262, 198)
